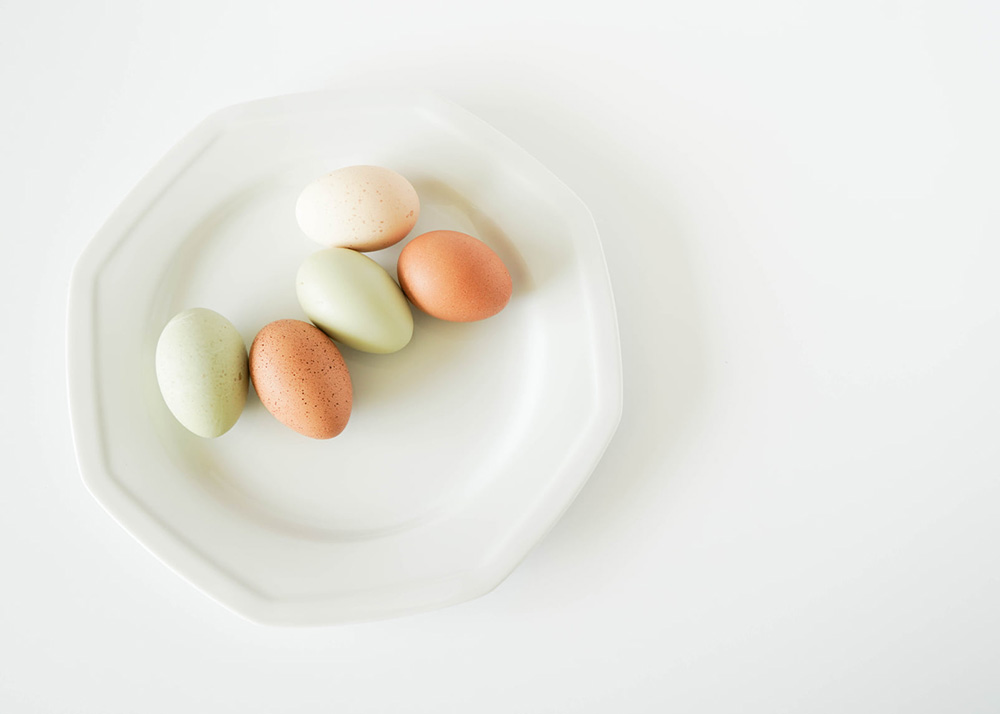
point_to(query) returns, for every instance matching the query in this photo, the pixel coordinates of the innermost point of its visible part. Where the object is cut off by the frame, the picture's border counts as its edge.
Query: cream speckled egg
(201, 367)
(353, 300)
(360, 207)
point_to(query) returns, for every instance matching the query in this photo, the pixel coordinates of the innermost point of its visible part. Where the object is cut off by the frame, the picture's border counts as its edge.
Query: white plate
(463, 449)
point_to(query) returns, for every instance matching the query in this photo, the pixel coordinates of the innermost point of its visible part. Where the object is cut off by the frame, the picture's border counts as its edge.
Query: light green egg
(201, 367)
(353, 300)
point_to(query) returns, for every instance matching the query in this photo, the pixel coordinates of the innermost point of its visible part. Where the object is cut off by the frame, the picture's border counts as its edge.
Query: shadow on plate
(484, 227)
(662, 340)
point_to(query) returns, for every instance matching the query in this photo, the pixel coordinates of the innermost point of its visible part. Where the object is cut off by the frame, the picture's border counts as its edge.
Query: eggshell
(360, 207)
(201, 367)
(453, 276)
(301, 377)
(353, 300)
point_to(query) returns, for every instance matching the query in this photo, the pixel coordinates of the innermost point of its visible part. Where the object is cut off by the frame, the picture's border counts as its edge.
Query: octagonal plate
(463, 449)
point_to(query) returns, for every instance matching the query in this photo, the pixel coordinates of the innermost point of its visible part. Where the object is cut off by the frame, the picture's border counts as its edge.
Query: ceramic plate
(463, 449)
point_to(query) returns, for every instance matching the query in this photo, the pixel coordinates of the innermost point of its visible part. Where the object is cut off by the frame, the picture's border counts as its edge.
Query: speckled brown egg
(453, 276)
(301, 377)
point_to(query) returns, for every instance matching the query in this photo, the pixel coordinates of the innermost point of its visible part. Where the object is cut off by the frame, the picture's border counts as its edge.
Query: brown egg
(453, 276)
(301, 377)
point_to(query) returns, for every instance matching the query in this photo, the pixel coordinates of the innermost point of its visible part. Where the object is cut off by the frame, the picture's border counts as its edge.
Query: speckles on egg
(338, 210)
(301, 378)
(201, 368)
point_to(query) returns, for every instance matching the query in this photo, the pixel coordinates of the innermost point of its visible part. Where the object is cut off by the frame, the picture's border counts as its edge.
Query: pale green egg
(201, 367)
(353, 300)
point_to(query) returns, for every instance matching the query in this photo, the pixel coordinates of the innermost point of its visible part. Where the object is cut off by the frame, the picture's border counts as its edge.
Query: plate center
(428, 422)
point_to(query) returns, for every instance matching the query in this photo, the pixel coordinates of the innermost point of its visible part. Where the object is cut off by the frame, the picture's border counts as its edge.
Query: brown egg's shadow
(435, 350)
(433, 192)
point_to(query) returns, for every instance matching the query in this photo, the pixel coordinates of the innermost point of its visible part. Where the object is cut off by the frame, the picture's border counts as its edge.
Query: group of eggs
(202, 365)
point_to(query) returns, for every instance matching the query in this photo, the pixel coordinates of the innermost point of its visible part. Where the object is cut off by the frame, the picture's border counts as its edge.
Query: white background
(800, 204)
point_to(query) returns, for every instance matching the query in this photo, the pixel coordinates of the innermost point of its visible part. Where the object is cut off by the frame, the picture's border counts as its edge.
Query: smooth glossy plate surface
(463, 449)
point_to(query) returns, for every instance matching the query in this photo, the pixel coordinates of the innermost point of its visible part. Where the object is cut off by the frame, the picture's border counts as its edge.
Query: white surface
(798, 205)
(462, 450)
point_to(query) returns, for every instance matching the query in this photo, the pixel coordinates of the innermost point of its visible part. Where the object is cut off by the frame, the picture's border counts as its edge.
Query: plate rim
(186, 560)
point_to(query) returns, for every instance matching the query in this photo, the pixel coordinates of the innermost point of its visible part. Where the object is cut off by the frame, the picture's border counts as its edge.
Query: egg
(353, 300)
(201, 368)
(360, 207)
(301, 378)
(453, 276)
